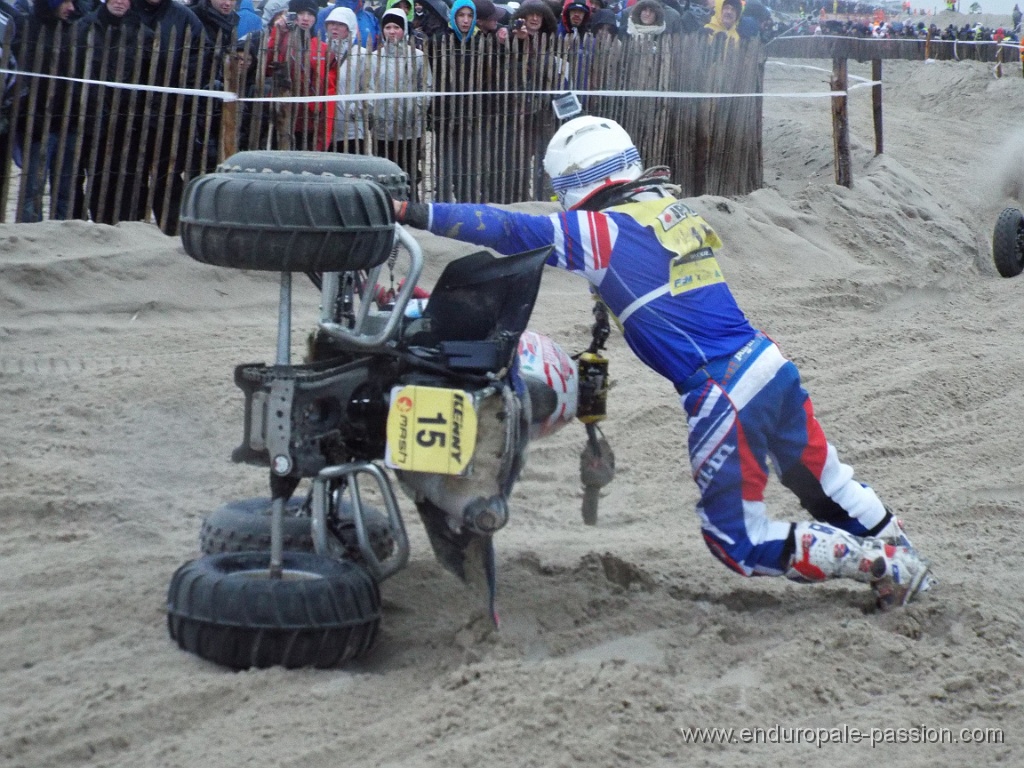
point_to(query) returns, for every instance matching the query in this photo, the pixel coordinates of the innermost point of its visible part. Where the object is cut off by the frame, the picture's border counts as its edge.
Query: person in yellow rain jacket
(725, 20)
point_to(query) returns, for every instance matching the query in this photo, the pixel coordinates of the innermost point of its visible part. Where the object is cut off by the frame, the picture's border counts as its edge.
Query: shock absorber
(597, 461)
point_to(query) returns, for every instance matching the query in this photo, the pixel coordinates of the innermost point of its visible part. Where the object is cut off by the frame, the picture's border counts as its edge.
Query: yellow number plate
(430, 429)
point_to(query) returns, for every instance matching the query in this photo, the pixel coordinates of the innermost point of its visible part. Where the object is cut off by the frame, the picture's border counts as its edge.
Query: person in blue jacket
(651, 259)
(249, 20)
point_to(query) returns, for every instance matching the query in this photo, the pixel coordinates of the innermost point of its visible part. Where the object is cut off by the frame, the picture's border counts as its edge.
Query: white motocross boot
(895, 533)
(894, 572)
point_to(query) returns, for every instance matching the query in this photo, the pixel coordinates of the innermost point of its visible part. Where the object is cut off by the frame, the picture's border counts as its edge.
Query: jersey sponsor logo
(674, 214)
(694, 270)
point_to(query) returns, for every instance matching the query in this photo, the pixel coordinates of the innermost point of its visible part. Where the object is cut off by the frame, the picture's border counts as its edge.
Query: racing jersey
(651, 262)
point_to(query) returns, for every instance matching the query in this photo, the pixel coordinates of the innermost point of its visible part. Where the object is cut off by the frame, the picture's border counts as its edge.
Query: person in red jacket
(575, 18)
(298, 64)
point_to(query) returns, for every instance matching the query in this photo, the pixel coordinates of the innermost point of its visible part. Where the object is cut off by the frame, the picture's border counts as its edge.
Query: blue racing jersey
(651, 262)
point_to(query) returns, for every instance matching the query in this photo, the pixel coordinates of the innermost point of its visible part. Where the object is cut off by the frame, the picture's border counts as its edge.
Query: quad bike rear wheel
(282, 222)
(243, 525)
(1008, 242)
(379, 169)
(227, 609)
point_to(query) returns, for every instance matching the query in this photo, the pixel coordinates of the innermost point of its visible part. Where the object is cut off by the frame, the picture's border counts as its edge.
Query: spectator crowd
(115, 153)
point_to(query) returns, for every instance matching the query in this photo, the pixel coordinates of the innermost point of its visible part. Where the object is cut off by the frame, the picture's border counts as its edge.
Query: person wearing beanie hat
(603, 22)
(398, 20)
(62, 9)
(305, 14)
(490, 19)
(724, 21)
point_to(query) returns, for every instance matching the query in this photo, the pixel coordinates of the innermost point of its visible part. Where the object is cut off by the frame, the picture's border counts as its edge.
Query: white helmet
(587, 154)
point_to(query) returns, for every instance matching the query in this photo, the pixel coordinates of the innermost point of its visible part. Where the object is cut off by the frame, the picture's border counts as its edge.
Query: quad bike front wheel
(243, 525)
(227, 609)
(1008, 242)
(379, 169)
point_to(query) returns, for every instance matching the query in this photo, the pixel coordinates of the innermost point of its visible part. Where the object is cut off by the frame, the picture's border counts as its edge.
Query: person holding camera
(533, 41)
(297, 64)
(532, 19)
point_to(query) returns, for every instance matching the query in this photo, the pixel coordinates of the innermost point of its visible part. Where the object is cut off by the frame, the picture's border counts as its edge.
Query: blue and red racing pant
(742, 410)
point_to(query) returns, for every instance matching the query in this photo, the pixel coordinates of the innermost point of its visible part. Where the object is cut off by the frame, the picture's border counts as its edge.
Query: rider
(651, 259)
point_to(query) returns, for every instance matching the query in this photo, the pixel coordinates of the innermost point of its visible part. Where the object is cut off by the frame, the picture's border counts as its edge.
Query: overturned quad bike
(442, 395)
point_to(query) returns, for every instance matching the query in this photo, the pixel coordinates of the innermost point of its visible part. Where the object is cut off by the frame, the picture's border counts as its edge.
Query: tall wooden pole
(876, 102)
(840, 124)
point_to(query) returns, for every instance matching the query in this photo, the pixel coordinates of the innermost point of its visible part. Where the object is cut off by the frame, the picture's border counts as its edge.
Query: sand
(119, 415)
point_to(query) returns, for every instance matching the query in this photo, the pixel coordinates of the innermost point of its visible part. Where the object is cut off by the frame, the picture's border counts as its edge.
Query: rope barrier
(229, 96)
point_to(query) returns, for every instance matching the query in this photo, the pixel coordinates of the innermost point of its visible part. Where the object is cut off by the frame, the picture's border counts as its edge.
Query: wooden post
(876, 102)
(234, 79)
(840, 124)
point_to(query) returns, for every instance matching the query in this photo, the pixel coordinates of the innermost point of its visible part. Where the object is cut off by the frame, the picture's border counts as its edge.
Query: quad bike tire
(226, 609)
(282, 222)
(243, 525)
(379, 169)
(1008, 242)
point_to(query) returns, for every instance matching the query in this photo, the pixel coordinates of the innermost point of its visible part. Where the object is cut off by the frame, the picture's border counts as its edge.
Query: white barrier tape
(863, 81)
(431, 94)
(226, 96)
(230, 96)
(874, 40)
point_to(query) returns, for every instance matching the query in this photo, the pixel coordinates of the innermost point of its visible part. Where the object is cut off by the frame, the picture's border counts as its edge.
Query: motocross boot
(894, 533)
(894, 572)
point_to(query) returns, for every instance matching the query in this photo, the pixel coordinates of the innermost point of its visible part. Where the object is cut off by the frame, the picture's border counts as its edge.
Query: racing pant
(742, 410)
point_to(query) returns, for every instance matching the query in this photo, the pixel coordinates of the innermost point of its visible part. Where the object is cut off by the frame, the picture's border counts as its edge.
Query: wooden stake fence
(131, 151)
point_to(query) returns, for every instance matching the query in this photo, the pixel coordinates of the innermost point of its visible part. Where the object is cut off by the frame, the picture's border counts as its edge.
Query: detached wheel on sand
(243, 525)
(226, 609)
(379, 169)
(280, 222)
(1008, 242)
